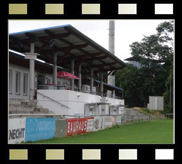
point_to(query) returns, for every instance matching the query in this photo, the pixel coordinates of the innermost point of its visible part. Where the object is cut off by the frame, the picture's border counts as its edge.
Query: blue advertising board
(39, 128)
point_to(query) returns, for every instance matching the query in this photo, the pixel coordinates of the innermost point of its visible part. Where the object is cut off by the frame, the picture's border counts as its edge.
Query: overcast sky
(126, 31)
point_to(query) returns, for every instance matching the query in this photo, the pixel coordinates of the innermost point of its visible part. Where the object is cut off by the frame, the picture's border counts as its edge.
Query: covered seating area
(66, 48)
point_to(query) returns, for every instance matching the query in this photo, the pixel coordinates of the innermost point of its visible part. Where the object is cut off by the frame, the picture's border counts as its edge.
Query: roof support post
(123, 94)
(55, 69)
(72, 71)
(80, 77)
(32, 73)
(91, 81)
(101, 83)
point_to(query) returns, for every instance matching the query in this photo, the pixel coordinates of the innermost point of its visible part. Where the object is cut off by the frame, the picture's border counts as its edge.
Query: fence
(31, 127)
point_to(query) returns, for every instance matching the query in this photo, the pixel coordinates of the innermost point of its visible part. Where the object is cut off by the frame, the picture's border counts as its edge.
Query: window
(25, 84)
(10, 81)
(17, 83)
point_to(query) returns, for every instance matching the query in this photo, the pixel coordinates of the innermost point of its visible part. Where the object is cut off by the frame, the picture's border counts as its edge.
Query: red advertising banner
(81, 125)
(71, 126)
(76, 125)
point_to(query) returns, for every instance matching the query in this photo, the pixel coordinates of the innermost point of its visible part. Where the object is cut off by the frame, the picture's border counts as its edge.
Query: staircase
(19, 106)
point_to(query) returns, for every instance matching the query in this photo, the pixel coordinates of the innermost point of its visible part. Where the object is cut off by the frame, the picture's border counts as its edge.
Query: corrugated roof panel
(70, 38)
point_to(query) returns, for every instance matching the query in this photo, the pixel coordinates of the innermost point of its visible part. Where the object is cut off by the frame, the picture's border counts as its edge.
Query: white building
(62, 47)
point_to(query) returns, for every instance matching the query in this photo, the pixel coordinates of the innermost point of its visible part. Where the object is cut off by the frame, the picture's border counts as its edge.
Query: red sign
(76, 125)
(81, 125)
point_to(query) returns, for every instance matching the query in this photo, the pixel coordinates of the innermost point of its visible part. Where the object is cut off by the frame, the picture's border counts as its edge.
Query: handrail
(86, 115)
(52, 99)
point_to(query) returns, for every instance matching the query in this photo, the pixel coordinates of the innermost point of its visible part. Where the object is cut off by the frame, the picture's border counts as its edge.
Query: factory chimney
(111, 76)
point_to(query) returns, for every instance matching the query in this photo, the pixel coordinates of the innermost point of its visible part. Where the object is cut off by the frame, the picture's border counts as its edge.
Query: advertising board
(76, 125)
(39, 128)
(90, 124)
(99, 123)
(114, 120)
(16, 130)
(118, 120)
(108, 121)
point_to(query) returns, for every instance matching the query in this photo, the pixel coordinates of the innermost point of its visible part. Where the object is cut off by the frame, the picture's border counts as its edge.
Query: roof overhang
(71, 44)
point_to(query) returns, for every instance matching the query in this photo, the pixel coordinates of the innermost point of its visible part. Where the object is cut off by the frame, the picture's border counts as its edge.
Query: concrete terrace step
(17, 107)
(15, 101)
(45, 110)
(26, 106)
(25, 110)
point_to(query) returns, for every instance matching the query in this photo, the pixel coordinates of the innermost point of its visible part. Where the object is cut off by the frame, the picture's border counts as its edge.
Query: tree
(127, 78)
(154, 53)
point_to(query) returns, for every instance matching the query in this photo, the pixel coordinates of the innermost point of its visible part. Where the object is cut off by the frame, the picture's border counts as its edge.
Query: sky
(126, 31)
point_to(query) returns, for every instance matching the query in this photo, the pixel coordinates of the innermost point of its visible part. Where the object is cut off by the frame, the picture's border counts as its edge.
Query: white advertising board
(16, 130)
(108, 121)
(90, 124)
(99, 123)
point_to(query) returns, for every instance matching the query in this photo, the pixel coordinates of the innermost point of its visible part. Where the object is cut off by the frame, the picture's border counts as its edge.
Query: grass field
(158, 131)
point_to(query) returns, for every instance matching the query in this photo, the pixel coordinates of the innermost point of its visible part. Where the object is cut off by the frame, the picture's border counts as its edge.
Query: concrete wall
(74, 100)
(96, 110)
(113, 105)
(113, 101)
(60, 128)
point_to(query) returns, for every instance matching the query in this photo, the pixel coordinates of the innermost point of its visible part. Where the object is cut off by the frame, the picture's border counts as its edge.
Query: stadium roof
(71, 44)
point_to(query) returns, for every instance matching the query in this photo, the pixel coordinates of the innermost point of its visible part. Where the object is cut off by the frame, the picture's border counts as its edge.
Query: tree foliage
(155, 54)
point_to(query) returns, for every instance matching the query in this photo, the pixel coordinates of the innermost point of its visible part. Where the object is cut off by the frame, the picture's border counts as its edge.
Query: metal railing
(169, 115)
(125, 119)
(56, 87)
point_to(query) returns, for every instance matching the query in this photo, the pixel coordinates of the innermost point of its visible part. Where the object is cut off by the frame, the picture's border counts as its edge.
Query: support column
(32, 73)
(123, 94)
(91, 81)
(113, 93)
(80, 78)
(101, 84)
(72, 71)
(55, 69)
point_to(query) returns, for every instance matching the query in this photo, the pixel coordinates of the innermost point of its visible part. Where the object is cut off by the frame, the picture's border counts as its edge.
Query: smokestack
(111, 78)
(111, 36)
